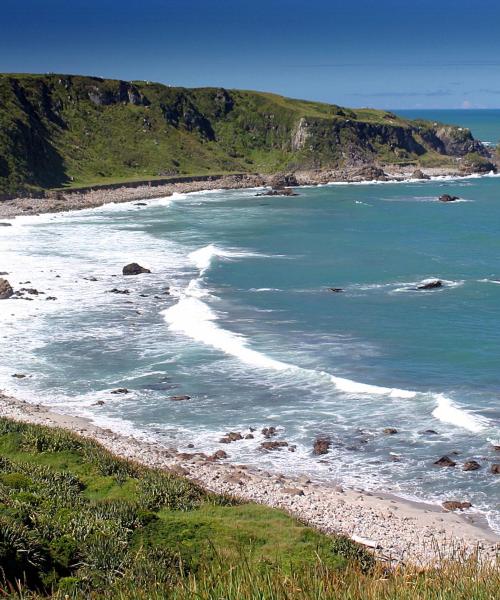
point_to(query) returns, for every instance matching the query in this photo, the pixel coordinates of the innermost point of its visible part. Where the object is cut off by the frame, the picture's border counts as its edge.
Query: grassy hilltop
(64, 130)
(78, 523)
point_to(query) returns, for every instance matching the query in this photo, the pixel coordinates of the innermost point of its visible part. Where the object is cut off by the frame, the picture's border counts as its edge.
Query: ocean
(238, 314)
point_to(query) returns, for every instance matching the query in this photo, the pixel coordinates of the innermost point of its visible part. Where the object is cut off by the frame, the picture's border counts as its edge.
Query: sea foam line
(194, 318)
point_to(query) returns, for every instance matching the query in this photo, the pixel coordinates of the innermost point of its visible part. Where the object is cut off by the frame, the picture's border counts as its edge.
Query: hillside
(63, 130)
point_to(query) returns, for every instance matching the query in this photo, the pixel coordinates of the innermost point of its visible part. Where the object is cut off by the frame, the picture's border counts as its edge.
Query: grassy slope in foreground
(77, 522)
(63, 130)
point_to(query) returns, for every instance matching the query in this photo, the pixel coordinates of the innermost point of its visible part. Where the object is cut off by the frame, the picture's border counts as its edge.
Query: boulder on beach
(419, 174)
(448, 198)
(134, 269)
(445, 461)
(431, 284)
(284, 180)
(321, 445)
(471, 465)
(455, 505)
(6, 290)
(370, 173)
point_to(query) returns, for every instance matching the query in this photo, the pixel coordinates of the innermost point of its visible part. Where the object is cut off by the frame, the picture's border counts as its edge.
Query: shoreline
(398, 530)
(64, 201)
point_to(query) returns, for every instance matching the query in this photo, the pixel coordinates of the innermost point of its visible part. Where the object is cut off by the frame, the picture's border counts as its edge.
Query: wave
(196, 319)
(448, 412)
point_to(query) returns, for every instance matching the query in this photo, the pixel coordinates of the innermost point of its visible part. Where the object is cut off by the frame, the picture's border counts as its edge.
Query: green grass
(78, 523)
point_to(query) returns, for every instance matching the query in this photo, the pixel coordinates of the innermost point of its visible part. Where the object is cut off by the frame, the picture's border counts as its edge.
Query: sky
(380, 53)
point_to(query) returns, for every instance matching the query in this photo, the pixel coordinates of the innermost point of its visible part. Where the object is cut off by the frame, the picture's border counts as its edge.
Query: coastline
(62, 201)
(397, 530)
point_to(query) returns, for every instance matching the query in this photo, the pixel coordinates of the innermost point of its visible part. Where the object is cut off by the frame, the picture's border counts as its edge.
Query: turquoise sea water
(251, 331)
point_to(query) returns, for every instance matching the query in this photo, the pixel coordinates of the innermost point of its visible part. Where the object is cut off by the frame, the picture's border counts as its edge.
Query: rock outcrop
(134, 269)
(6, 290)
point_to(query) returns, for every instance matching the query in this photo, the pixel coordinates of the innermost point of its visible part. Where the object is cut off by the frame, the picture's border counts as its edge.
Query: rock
(249, 436)
(321, 445)
(291, 491)
(117, 291)
(283, 180)
(120, 391)
(370, 173)
(431, 284)
(6, 290)
(5, 224)
(233, 479)
(281, 191)
(268, 432)
(232, 436)
(429, 432)
(448, 198)
(455, 505)
(134, 269)
(304, 480)
(140, 204)
(445, 461)
(180, 398)
(275, 445)
(419, 174)
(471, 465)
(336, 290)
(19, 375)
(495, 469)
(218, 455)
(98, 403)
(190, 445)
(50, 298)
(390, 431)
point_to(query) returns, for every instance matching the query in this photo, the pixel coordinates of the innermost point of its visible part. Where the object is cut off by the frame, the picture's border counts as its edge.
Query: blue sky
(383, 53)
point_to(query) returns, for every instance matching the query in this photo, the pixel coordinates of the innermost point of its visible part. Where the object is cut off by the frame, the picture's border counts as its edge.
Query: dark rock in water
(120, 391)
(88, 278)
(134, 269)
(455, 505)
(336, 290)
(429, 432)
(448, 198)
(321, 445)
(249, 436)
(98, 403)
(6, 290)
(51, 298)
(32, 291)
(430, 285)
(140, 204)
(275, 445)
(280, 191)
(495, 469)
(471, 465)
(232, 436)
(445, 461)
(180, 398)
(390, 431)
(19, 375)
(5, 224)
(269, 431)
(419, 174)
(117, 291)
(3, 273)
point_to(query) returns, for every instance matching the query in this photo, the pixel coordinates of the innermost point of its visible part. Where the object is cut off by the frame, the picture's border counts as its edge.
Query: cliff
(64, 130)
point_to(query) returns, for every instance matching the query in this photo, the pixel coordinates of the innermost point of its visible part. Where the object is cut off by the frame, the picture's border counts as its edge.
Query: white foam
(447, 412)
(203, 257)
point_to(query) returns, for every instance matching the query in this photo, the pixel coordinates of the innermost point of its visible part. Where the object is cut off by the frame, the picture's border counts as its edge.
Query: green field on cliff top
(66, 131)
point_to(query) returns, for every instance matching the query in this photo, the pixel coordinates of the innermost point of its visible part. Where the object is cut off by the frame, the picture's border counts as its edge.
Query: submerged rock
(6, 290)
(390, 431)
(455, 505)
(448, 198)
(134, 269)
(336, 290)
(430, 285)
(120, 391)
(445, 461)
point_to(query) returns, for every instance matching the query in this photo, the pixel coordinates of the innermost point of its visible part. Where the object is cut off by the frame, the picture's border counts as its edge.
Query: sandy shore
(76, 200)
(398, 530)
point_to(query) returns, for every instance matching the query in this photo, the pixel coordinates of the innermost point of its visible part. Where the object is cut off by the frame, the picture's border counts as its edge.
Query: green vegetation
(77, 522)
(65, 131)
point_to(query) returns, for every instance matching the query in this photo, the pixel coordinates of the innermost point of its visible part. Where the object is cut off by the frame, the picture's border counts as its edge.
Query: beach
(398, 531)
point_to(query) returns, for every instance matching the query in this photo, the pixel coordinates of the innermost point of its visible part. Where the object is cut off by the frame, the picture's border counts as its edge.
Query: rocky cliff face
(57, 129)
